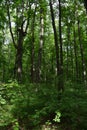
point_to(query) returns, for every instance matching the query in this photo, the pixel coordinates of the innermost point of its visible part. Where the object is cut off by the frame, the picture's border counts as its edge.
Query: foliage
(57, 117)
(39, 105)
(73, 108)
(43, 59)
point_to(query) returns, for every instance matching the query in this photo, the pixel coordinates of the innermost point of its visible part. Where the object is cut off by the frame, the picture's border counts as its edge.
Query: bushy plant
(73, 107)
(32, 105)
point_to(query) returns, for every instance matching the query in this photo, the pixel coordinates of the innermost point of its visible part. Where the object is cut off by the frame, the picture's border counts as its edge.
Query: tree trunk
(40, 51)
(72, 60)
(75, 52)
(82, 54)
(32, 47)
(18, 60)
(67, 48)
(21, 29)
(61, 78)
(55, 38)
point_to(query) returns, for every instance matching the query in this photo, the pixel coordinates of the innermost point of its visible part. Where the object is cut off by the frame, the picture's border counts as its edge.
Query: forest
(43, 59)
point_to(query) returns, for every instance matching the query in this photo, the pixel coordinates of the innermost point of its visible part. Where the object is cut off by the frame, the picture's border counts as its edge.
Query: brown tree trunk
(75, 53)
(61, 77)
(18, 60)
(20, 34)
(40, 51)
(32, 48)
(67, 48)
(55, 38)
(72, 59)
(82, 54)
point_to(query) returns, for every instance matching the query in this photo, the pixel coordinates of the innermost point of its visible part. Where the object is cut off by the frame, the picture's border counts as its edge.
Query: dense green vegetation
(43, 59)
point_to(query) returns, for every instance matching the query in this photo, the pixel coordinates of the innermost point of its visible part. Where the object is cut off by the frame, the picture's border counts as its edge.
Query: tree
(20, 31)
(44, 43)
(55, 38)
(32, 46)
(41, 42)
(61, 78)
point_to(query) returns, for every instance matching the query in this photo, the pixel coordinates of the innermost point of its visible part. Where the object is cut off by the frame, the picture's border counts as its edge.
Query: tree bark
(18, 60)
(61, 78)
(20, 34)
(67, 48)
(82, 54)
(40, 51)
(75, 52)
(32, 48)
(55, 38)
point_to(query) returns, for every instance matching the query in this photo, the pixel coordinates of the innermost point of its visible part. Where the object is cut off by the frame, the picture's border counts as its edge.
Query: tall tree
(81, 53)
(20, 31)
(55, 37)
(32, 45)
(41, 42)
(61, 80)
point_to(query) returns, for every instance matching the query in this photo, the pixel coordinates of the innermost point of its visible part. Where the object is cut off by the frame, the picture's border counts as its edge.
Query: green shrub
(73, 107)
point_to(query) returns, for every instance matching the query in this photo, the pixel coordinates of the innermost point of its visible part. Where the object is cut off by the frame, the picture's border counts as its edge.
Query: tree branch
(28, 18)
(10, 27)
